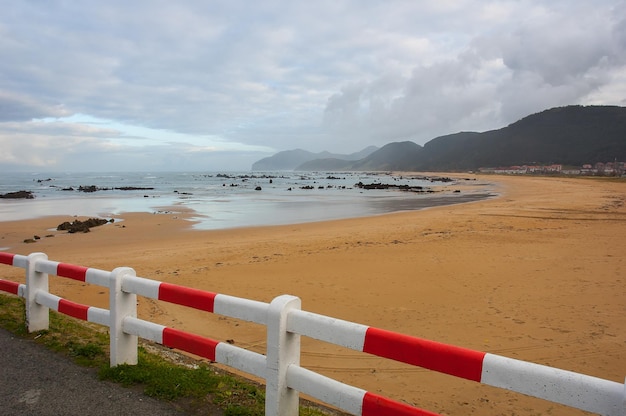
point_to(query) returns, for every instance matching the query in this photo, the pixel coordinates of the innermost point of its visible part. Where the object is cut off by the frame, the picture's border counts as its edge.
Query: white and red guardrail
(285, 323)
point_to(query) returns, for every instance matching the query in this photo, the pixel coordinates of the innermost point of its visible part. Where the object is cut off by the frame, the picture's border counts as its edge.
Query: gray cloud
(319, 75)
(15, 107)
(551, 58)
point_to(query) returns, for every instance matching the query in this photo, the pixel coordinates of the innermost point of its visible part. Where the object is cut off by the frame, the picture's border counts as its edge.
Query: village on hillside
(597, 169)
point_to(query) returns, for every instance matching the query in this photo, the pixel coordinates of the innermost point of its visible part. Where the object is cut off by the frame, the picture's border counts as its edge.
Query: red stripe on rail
(195, 344)
(71, 271)
(375, 405)
(10, 287)
(444, 358)
(73, 309)
(194, 298)
(6, 258)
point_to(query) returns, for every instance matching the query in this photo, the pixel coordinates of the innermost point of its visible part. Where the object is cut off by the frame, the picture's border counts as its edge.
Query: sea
(221, 200)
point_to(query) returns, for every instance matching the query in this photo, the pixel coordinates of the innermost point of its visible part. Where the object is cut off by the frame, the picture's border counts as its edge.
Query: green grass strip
(194, 387)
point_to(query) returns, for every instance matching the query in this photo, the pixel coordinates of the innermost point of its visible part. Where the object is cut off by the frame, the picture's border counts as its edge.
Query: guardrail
(286, 323)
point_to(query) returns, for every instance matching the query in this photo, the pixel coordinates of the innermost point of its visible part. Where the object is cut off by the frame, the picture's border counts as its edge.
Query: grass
(191, 386)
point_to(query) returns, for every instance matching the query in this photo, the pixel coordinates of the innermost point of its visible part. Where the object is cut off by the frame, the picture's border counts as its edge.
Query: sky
(195, 85)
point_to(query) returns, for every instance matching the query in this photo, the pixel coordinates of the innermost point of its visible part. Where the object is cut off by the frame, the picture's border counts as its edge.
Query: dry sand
(536, 274)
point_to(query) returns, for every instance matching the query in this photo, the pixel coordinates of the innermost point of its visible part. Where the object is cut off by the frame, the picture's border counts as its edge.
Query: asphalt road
(37, 381)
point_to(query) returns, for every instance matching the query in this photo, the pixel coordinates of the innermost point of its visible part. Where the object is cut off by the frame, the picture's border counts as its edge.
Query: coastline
(239, 200)
(535, 274)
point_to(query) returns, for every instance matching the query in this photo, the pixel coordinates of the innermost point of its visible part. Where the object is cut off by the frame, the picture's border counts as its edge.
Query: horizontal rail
(12, 287)
(215, 351)
(234, 307)
(559, 386)
(347, 398)
(448, 359)
(11, 259)
(73, 309)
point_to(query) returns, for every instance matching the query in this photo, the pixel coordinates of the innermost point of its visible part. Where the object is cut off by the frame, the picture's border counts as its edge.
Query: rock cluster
(94, 188)
(78, 226)
(389, 186)
(18, 195)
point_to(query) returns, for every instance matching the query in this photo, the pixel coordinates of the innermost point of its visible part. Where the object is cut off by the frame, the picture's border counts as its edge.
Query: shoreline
(182, 218)
(283, 200)
(535, 274)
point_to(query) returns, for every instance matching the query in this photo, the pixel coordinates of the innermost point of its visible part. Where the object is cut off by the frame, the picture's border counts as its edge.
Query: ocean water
(222, 200)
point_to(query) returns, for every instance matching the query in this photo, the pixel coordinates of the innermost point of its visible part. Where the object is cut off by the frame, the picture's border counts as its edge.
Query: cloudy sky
(214, 85)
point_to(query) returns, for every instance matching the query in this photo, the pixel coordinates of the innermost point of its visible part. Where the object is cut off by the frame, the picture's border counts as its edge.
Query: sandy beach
(536, 274)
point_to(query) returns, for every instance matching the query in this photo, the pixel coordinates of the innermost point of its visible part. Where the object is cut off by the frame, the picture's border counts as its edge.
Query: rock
(135, 188)
(81, 226)
(91, 188)
(258, 188)
(18, 195)
(389, 186)
(441, 179)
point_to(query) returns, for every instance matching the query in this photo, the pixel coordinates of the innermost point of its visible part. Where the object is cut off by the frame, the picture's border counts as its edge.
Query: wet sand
(536, 274)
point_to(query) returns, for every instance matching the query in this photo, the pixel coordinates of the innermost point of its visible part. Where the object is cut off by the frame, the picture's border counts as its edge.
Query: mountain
(328, 164)
(292, 159)
(573, 135)
(392, 156)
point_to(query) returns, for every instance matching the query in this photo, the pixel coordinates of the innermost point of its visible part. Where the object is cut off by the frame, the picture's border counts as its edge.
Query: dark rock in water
(18, 195)
(389, 186)
(258, 188)
(90, 188)
(135, 188)
(441, 179)
(77, 226)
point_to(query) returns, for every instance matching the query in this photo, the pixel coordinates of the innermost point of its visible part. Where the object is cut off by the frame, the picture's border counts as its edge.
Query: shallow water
(221, 200)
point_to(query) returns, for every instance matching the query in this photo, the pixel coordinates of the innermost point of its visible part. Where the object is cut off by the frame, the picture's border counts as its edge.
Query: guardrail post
(122, 304)
(37, 316)
(283, 349)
